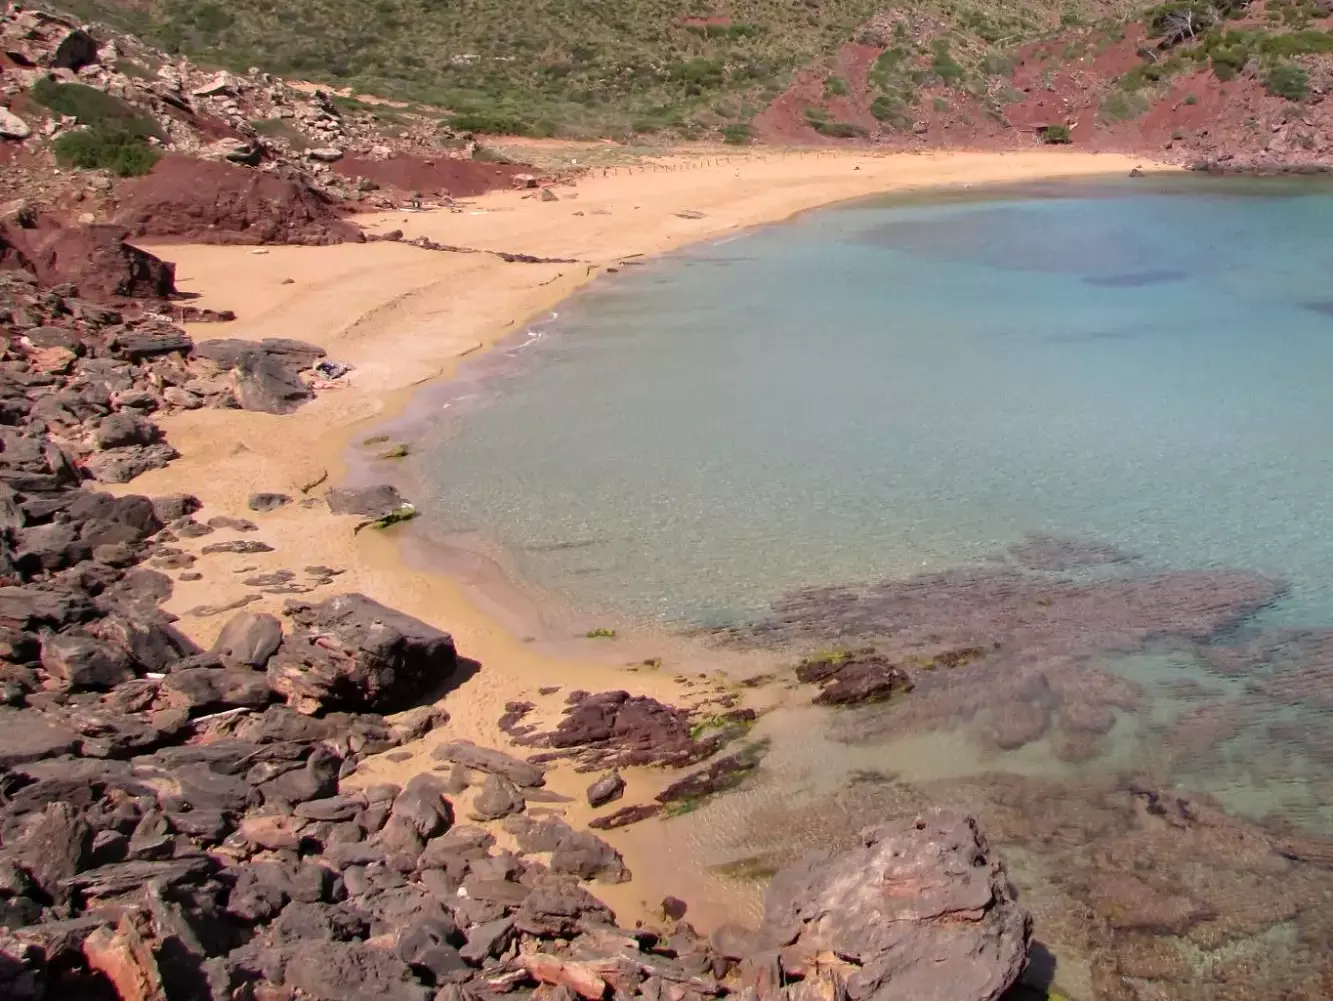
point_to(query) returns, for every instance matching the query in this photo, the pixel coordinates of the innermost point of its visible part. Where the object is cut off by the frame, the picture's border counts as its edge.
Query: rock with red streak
(922, 908)
(580, 978)
(124, 955)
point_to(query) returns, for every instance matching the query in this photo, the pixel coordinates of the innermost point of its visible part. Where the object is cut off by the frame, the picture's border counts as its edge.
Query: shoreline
(405, 318)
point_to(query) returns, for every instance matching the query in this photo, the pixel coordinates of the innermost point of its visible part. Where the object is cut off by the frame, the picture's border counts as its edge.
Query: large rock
(27, 737)
(216, 202)
(353, 653)
(265, 374)
(79, 661)
(12, 126)
(921, 909)
(378, 501)
(95, 258)
(352, 971)
(75, 51)
(248, 639)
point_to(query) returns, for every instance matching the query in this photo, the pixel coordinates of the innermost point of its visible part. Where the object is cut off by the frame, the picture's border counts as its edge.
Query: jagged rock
(248, 639)
(27, 737)
(419, 813)
(921, 907)
(120, 465)
(237, 546)
(353, 653)
(75, 51)
(223, 83)
(498, 798)
(369, 502)
(268, 502)
(94, 258)
(81, 661)
(575, 852)
(12, 126)
(485, 759)
(605, 790)
(352, 971)
(121, 429)
(212, 689)
(125, 957)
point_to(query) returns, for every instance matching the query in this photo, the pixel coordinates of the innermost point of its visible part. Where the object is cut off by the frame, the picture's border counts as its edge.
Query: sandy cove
(404, 316)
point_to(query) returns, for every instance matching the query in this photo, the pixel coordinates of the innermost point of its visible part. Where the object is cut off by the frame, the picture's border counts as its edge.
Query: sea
(1081, 429)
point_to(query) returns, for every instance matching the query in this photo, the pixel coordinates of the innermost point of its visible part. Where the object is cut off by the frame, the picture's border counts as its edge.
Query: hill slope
(573, 67)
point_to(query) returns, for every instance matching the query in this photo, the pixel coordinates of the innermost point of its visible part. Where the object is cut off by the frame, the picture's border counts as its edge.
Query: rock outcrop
(921, 911)
(213, 202)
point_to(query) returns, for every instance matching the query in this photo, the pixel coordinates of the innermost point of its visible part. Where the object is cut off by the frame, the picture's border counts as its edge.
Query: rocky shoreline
(180, 822)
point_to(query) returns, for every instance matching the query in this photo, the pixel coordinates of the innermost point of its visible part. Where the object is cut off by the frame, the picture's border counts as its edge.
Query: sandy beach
(403, 316)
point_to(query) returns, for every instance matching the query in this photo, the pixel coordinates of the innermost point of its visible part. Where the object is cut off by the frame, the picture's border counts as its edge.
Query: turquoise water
(1082, 431)
(887, 388)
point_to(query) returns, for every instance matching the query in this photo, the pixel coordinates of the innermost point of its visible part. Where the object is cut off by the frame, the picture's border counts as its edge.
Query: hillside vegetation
(573, 67)
(947, 71)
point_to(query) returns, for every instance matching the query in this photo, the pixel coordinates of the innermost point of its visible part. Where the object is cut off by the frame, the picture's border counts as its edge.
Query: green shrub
(736, 135)
(1056, 135)
(1296, 43)
(93, 107)
(280, 128)
(1191, 100)
(840, 130)
(494, 123)
(943, 63)
(1228, 64)
(106, 147)
(1288, 80)
(1121, 106)
(892, 111)
(835, 86)
(888, 64)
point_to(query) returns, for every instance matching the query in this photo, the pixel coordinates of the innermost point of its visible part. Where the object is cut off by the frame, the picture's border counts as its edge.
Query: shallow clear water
(886, 388)
(956, 408)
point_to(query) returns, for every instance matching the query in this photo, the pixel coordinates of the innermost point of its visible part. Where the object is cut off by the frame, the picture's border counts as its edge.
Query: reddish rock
(95, 259)
(580, 978)
(212, 202)
(125, 958)
(441, 176)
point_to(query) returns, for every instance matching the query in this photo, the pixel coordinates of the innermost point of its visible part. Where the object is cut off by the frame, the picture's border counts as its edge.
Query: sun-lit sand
(403, 317)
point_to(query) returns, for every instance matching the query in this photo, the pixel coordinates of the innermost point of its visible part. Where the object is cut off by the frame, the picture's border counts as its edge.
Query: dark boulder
(248, 639)
(497, 798)
(268, 501)
(605, 790)
(367, 502)
(350, 652)
(79, 661)
(352, 971)
(205, 689)
(486, 759)
(75, 51)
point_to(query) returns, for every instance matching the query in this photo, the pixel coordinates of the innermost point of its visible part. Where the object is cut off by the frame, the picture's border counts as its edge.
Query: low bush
(493, 123)
(835, 86)
(104, 147)
(1288, 80)
(840, 130)
(93, 108)
(891, 111)
(736, 135)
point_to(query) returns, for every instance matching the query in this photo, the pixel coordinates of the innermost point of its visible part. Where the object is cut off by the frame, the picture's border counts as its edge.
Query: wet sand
(403, 317)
